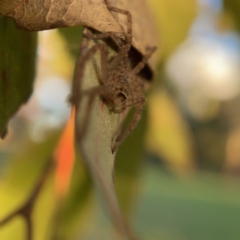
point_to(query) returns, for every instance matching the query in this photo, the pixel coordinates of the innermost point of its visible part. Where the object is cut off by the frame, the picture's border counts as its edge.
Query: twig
(27, 208)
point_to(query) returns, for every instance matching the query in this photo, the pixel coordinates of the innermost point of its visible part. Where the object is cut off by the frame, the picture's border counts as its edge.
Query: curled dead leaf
(36, 15)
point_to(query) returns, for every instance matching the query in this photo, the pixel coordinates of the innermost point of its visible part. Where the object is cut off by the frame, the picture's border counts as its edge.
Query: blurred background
(177, 174)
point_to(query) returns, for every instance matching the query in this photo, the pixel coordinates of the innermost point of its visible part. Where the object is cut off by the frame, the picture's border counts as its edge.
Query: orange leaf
(65, 156)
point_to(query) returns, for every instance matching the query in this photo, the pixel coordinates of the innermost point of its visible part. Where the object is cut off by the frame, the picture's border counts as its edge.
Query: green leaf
(129, 163)
(72, 212)
(17, 69)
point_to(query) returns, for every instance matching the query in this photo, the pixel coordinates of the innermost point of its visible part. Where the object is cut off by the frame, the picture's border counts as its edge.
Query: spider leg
(136, 101)
(123, 53)
(112, 35)
(140, 102)
(129, 24)
(141, 64)
(92, 94)
(75, 96)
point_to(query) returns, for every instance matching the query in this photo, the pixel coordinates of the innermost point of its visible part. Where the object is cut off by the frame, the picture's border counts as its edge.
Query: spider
(119, 87)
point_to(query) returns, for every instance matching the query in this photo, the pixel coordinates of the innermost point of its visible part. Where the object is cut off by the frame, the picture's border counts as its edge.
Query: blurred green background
(176, 175)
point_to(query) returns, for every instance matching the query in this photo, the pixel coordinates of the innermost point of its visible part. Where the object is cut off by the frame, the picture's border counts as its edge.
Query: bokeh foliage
(17, 68)
(233, 7)
(173, 19)
(168, 207)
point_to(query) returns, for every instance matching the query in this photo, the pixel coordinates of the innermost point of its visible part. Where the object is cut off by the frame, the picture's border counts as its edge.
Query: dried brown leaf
(35, 15)
(46, 14)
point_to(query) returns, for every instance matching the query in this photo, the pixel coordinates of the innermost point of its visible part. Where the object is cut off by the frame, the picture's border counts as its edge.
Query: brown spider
(119, 87)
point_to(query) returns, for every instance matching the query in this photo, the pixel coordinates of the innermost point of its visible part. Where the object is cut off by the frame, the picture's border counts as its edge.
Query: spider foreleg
(75, 96)
(129, 24)
(91, 94)
(136, 117)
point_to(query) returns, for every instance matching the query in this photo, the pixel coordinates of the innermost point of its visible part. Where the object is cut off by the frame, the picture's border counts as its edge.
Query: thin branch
(27, 208)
